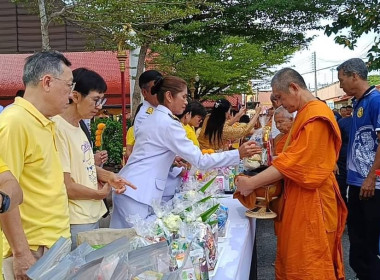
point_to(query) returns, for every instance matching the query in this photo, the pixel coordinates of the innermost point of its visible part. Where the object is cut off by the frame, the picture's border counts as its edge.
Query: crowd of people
(53, 185)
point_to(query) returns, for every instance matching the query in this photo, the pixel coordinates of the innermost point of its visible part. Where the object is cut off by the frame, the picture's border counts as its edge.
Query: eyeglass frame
(100, 101)
(72, 85)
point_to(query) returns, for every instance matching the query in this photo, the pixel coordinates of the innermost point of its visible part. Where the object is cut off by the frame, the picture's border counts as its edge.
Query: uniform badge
(149, 110)
(360, 112)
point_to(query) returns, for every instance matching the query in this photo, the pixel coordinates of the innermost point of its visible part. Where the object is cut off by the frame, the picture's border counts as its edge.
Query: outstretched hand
(119, 183)
(248, 149)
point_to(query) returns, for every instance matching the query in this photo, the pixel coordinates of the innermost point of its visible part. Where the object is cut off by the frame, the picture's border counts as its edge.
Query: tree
(105, 20)
(202, 25)
(223, 68)
(198, 25)
(359, 17)
(49, 11)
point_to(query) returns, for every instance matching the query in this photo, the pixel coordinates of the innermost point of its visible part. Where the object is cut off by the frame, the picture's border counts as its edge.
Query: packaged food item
(222, 220)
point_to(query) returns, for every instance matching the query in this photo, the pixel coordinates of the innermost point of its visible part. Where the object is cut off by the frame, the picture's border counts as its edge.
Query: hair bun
(157, 85)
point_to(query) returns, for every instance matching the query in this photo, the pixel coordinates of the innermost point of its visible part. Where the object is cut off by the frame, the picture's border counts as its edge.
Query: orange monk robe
(314, 215)
(279, 143)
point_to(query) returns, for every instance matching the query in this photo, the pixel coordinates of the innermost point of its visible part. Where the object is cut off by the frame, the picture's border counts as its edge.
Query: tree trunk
(44, 25)
(136, 99)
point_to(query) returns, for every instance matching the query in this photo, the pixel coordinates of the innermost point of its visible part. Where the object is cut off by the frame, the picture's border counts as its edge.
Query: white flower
(172, 222)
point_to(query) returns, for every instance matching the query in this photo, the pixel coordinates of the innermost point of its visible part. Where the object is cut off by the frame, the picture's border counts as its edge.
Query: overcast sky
(328, 55)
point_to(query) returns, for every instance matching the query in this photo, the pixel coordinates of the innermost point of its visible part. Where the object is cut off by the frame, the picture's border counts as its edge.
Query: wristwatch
(6, 202)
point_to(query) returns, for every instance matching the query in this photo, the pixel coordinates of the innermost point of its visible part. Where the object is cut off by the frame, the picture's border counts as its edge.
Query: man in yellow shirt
(29, 148)
(10, 196)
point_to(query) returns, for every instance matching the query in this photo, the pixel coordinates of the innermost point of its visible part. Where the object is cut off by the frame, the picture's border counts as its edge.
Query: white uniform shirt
(146, 110)
(160, 139)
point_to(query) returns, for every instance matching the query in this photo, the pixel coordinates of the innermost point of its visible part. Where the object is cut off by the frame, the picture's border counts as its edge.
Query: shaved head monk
(284, 122)
(313, 214)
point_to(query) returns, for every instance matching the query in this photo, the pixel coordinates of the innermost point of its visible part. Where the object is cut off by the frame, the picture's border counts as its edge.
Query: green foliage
(207, 185)
(223, 68)
(112, 139)
(374, 80)
(359, 17)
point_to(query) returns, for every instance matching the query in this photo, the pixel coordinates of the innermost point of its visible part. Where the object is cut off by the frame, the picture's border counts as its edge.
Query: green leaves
(207, 185)
(207, 214)
(356, 18)
(112, 139)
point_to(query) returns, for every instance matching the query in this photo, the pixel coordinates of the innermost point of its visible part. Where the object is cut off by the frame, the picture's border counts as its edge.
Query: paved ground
(266, 248)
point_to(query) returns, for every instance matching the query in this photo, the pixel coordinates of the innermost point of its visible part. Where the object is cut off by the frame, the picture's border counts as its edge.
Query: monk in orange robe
(313, 212)
(284, 122)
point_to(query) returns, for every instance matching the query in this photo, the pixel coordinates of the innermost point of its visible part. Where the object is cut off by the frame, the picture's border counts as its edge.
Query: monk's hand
(119, 183)
(248, 149)
(368, 187)
(244, 185)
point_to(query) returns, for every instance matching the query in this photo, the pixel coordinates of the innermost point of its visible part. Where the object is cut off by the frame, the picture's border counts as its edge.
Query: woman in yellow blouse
(217, 132)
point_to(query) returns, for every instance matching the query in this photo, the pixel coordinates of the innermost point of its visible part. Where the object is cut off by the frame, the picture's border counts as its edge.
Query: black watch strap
(6, 202)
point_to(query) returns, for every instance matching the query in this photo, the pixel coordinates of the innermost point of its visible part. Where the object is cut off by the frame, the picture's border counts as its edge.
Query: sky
(328, 55)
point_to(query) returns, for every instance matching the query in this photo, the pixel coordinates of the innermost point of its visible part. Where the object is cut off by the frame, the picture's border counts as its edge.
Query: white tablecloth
(236, 255)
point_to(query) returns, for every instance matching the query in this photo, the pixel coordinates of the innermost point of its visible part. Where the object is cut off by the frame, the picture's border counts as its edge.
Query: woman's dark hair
(196, 108)
(87, 80)
(244, 119)
(215, 123)
(170, 83)
(137, 111)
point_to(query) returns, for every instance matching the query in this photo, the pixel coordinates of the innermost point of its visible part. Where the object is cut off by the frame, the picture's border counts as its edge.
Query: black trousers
(364, 233)
(341, 179)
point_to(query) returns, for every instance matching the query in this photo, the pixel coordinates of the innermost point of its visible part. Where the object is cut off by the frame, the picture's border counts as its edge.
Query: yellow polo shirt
(3, 168)
(29, 148)
(190, 133)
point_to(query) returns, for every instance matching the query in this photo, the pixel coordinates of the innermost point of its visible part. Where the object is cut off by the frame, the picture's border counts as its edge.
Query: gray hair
(284, 77)
(42, 63)
(282, 111)
(354, 65)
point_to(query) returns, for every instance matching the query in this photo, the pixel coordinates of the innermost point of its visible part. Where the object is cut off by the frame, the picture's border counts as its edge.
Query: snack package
(222, 220)
(198, 259)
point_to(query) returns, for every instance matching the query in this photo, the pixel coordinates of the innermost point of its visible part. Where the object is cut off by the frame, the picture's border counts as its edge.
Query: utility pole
(314, 65)
(332, 75)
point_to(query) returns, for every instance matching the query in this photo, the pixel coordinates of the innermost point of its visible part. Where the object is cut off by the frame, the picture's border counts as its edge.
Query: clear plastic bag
(49, 260)
(69, 264)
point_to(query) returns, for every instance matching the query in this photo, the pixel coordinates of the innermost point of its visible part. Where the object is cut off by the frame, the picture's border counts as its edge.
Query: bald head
(283, 119)
(282, 112)
(283, 78)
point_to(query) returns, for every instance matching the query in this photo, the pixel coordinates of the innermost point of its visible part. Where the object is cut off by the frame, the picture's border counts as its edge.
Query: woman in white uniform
(160, 138)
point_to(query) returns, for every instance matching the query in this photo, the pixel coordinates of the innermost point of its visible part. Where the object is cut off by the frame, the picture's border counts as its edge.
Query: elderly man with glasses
(28, 148)
(86, 183)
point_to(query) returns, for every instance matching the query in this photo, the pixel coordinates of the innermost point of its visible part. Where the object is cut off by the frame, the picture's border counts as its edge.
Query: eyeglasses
(69, 84)
(100, 102)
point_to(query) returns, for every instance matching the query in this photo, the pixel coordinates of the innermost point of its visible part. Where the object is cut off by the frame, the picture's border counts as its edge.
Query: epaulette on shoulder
(149, 110)
(174, 117)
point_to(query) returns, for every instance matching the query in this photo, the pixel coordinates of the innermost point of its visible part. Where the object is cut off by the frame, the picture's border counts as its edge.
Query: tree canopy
(225, 42)
(358, 18)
